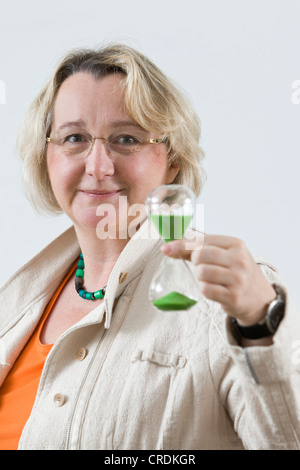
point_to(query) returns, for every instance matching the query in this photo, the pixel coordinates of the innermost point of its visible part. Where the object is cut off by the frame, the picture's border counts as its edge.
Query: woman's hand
(227, 274)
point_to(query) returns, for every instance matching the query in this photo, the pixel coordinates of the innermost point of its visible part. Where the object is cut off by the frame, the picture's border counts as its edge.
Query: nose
(98, 162)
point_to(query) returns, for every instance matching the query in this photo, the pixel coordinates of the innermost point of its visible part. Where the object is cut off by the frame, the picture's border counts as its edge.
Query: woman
(86, 361)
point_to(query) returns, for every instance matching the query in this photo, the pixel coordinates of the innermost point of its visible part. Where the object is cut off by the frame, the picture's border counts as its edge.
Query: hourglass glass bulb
(170, 208)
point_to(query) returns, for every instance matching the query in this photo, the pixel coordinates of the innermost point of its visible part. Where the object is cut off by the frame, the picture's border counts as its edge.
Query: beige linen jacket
(128, 376)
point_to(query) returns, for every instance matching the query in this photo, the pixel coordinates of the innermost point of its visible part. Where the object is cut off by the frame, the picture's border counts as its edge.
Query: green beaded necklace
(99, 294)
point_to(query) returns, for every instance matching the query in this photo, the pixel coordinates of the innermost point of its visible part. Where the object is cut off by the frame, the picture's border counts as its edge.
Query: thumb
(177, 249)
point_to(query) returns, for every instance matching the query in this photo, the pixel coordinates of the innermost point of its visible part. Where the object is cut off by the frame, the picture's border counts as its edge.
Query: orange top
(17, 394)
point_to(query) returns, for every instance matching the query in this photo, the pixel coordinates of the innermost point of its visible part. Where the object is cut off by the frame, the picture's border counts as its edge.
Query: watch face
(275, 314)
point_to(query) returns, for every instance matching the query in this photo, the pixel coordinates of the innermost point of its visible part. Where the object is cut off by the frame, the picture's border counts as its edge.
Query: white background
(237, 61)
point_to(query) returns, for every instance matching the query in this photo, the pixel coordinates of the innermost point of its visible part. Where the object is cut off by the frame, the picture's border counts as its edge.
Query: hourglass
(170, 208)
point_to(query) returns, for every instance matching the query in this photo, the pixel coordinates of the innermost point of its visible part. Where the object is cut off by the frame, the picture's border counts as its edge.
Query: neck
(99, 256)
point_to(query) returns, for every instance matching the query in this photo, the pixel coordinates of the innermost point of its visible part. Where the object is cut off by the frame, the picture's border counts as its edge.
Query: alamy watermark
(296, 352)
(168, 222)
(2, 92)
(296, 94)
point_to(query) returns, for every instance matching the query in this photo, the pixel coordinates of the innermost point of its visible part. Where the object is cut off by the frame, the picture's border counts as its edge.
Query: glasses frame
(108, 151)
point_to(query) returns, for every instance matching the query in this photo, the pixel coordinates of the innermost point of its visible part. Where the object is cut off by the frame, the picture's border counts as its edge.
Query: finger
(211, 255)
(214, 275)
(222, 241)
(215, 292)
(192, 249)
(179, 249)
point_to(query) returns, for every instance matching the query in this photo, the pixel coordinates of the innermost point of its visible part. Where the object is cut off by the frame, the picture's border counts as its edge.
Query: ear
(172, 171)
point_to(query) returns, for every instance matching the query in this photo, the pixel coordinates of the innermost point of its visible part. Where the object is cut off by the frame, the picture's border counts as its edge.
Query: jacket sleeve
(261, 386)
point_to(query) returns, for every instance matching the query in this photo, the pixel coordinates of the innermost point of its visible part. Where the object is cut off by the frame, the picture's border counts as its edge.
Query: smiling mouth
(100, 194)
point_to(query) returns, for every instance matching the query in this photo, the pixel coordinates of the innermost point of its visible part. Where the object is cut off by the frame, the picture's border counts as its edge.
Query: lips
(94, 193)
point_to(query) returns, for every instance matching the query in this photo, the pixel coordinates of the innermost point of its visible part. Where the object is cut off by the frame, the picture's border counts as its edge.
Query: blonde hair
(151, 100)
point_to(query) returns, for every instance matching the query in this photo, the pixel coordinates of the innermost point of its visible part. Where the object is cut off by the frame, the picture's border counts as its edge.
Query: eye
(76, 139)
(126, 140)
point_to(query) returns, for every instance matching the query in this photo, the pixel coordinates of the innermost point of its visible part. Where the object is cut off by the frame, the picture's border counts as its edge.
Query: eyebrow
(126, 123)
(115, 124)
(80, 123)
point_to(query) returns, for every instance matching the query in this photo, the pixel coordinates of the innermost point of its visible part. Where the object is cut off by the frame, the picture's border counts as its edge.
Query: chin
(105, 225)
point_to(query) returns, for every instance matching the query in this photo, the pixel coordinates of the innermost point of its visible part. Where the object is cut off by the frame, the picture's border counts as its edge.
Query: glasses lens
(75, 144)
(78, 144)
(123, 145)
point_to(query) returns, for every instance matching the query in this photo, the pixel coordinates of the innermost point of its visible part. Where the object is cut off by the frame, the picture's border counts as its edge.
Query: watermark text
(122, 221)
(296, 353)
(296, 94)
(2, 92)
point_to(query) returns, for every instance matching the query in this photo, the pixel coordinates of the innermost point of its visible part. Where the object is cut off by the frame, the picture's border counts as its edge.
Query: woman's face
(82, 185)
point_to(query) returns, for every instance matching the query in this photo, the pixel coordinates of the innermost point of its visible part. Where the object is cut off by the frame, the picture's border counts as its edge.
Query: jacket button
(81, 354)
(59, 399)
(122, 277)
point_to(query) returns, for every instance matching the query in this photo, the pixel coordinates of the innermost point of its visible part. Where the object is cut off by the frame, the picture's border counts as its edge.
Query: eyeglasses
(80, 143)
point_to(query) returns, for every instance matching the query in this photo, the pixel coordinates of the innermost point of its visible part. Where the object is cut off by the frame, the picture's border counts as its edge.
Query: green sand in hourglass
(174, 301)
(172, 227)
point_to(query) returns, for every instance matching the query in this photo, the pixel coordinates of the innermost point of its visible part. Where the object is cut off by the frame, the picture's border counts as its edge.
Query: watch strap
(265, 328)
(256, 331)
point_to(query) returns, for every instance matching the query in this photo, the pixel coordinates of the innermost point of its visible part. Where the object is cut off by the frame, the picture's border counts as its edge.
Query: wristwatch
(271, 322)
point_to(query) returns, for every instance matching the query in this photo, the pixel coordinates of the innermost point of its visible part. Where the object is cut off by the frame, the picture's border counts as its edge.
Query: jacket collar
(144, 245)
(25, 295)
